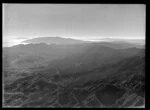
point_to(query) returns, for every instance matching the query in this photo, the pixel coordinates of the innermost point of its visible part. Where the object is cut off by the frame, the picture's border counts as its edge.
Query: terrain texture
(74, 75)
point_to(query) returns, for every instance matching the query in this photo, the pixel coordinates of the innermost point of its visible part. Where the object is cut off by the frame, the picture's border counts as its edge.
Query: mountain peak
(54, 40)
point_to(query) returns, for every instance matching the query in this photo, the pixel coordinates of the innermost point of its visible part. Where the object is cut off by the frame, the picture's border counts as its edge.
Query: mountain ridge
(54, 40)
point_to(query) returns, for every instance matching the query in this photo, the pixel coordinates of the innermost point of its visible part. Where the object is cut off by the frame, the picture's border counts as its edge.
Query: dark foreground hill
(117, 84)
(74, 75)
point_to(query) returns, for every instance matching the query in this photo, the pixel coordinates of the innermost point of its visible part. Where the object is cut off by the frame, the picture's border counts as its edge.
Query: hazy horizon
(90, 22)
(14, 42)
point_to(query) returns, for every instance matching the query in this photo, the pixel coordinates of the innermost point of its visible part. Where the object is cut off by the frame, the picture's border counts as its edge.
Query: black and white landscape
(60, 70)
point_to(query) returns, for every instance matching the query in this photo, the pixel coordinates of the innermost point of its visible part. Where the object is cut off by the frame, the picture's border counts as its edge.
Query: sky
(80, 21)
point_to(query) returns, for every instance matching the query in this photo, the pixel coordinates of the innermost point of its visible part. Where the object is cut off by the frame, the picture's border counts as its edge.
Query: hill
(119, 84)
(54, 40)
